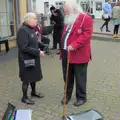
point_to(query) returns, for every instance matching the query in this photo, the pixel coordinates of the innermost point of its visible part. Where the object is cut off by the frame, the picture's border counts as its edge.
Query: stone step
(104, 37)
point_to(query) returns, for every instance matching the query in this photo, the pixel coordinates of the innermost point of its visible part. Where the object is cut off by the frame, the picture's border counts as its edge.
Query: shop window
(56, 3)
(113, 4)
(7, 18)
(111, 0)
(46, 7)
(77, 1)
(85, 6)
(34, 5)
(98, 6)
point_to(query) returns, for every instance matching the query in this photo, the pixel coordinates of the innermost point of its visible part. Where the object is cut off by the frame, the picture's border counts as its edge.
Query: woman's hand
(42, 53)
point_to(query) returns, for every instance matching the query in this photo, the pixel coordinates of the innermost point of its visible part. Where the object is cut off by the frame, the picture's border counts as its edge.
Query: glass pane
(3, 18)
(34, 5)
(113, 0)
(5, 31)
(46, 7)
(112, 4)
(98, 6)
(85, 6)
(7, 21)
(10, 11)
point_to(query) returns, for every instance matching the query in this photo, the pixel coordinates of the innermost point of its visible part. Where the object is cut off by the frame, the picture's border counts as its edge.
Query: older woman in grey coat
(29, 57)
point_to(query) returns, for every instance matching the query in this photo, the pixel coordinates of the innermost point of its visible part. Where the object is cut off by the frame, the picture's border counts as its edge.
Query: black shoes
(80, 102)
(101, 29)
(77, 103)
(37, 95)
(27, 101)
(108, 31)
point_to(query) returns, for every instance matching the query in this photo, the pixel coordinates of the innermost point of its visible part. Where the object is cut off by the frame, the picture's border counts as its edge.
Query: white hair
(28, 16)
(73, 5)
(74, 11)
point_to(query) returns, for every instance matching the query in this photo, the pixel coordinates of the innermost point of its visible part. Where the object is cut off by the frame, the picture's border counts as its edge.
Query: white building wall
(40, 4)
(95, 3)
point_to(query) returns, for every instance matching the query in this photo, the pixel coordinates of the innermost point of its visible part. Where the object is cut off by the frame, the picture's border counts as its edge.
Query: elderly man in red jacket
(76, 40)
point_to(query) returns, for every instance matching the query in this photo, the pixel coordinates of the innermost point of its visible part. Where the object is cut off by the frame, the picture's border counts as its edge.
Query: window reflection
(7, 16)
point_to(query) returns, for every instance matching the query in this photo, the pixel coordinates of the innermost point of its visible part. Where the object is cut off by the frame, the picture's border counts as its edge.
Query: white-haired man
(29, 57)
(76, 40)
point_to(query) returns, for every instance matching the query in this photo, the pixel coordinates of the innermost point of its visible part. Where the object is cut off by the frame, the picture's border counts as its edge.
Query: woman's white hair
(28, 16)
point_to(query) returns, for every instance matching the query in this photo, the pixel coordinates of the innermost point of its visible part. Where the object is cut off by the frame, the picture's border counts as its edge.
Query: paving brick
(102, 87)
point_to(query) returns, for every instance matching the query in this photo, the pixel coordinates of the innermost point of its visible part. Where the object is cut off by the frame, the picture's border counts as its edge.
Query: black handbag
(30, 63)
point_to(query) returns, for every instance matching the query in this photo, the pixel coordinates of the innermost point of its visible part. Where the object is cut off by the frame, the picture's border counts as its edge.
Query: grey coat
(116, 12)
(28, 48)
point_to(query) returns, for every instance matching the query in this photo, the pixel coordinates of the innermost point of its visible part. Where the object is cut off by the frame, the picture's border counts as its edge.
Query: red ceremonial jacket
(80, 39)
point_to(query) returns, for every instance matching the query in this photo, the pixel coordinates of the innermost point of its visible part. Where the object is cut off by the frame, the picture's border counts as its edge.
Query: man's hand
(70, 48)
(42, 53)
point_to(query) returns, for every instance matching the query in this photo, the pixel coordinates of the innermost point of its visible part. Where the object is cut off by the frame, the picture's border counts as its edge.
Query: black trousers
(116, 28)
(57, 33)
(79, 72)
(106, 23)
(55, 41)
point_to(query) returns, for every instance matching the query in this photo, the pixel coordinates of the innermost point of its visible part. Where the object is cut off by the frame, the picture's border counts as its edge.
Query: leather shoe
(108, 31)
(80, 102)
(67, 101)
(27, 101)
(38, 95)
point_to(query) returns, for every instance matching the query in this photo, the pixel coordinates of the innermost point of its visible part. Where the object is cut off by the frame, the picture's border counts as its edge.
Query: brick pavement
(103, 85)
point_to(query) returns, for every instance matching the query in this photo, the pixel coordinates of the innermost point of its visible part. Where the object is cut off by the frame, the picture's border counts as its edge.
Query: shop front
(95, 7)
(11, 17)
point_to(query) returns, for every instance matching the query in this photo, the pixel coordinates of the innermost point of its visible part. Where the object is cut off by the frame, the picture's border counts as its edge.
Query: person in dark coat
(28, 49)
(58, 21)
